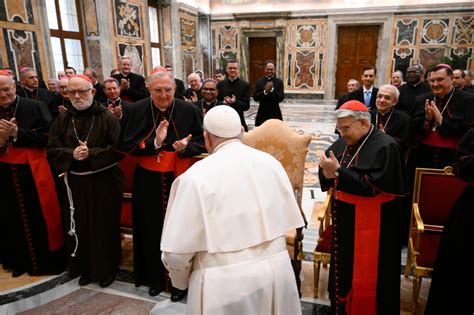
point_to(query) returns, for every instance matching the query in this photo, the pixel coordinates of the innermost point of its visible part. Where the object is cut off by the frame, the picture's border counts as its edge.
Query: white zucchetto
(222, 121)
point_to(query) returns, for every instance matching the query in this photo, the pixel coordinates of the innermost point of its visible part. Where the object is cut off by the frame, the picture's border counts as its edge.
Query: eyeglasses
(7, 89)
(208, 89)
(346, 129)
(81, 93)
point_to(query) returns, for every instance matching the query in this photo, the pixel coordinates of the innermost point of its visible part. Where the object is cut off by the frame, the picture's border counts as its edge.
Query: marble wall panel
(463, 30)
(188, 61)
(425, 39)
(127, 19)
(305, 69)
(435, 31)
(225, 38)
(19, 11)
(93, 47)
(90, 15)
(431, 56)
(406, 31)
(135, 52)
(306, 50)
(22, 50)
(166, 22)
(461, 51)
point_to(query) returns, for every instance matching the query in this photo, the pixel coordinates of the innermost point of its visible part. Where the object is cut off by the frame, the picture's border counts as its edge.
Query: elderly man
(352, 85)
(397, 79)
(389, 120)
(193, 93)
(365, 166)
(163, 132)
(209, 96)
(113, 101)
(440, 118)
(132, 85)
(30, 87)
(269, 92)
(31, 234)
(367, 94)
(83, 144)
(179, 84)
(53, 86)
(234, 91)
(99, 95)
(61, 102)
(233, 255)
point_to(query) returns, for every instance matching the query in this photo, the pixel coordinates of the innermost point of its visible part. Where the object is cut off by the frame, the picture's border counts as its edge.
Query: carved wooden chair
(290, 148)
(322, 252)
(434, 195)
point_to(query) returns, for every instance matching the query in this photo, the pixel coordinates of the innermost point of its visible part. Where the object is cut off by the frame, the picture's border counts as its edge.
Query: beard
(82, 104)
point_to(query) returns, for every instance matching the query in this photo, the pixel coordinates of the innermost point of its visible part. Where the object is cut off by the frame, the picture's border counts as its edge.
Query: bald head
(194, 81)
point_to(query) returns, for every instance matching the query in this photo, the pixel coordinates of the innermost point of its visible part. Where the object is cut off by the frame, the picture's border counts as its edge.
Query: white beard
(81, 105)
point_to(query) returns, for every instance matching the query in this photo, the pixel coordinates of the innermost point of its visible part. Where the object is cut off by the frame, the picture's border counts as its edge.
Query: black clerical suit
(269, 103)
(408, 95)
(437, 147)
(99, 95)
(179, 92)
(151, 187)
(452, 273)
(31, 232)
(240, 89)
(137, 90)
(396, 124)
(358, 95)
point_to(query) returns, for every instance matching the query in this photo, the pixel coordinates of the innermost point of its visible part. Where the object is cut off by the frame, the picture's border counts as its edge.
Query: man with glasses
(209, 94)
(83, 145)
(365, 167)
(234, 91)
(270, 93)
(31, 233)
(163, 132)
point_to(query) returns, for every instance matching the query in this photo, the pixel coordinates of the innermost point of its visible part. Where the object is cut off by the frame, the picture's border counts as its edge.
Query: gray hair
(394, 90)
(354, 80)
(24, 71)
(399, 72)
(356, 115)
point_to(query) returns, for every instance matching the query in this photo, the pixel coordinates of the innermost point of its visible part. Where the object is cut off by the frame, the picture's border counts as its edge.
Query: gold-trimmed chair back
(290, 148)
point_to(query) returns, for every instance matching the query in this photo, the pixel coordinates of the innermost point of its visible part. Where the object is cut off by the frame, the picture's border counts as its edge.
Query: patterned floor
(62, 295)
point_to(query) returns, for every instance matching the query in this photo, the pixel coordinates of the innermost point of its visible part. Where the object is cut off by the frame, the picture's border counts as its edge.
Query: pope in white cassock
(223, 236)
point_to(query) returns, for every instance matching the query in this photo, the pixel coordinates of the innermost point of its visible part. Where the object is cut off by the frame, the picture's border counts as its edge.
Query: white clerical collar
(220, 145)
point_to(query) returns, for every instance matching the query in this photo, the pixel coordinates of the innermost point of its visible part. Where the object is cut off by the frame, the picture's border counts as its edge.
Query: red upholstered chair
(434, 195)
(290, 148)
(322, 252)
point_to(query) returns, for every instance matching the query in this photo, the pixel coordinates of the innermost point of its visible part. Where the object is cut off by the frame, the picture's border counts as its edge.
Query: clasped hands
(330, 165)
(268, 87)
(162, 131)
(8, 129)
(230, 99)
(432, 112)
(81, 152)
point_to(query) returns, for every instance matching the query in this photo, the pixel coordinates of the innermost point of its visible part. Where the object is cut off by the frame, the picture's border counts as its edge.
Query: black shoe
(108, 281)
(84, 280)
(154, 291)
(17, 273)
(177, 295)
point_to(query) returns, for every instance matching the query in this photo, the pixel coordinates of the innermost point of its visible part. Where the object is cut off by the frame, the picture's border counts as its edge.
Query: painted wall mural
(188, 32)
(127, 19)
(22, 50)
(225, 38)
(90, 14)
(19, 11)
(425, 39)
(135, 52)
(189, 42)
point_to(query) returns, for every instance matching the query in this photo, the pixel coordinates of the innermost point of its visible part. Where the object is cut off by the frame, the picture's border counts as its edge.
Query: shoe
(84, 280)
(17, 273)
(177, 295)
(108, 281)
(154, 291)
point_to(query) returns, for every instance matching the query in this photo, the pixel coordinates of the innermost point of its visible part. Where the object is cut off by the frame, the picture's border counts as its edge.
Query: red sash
(361, 299)
(44, 182)
(168, 162)
(433, 139)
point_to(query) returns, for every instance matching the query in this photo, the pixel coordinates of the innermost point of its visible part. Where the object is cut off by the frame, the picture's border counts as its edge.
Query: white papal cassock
(224, 234)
